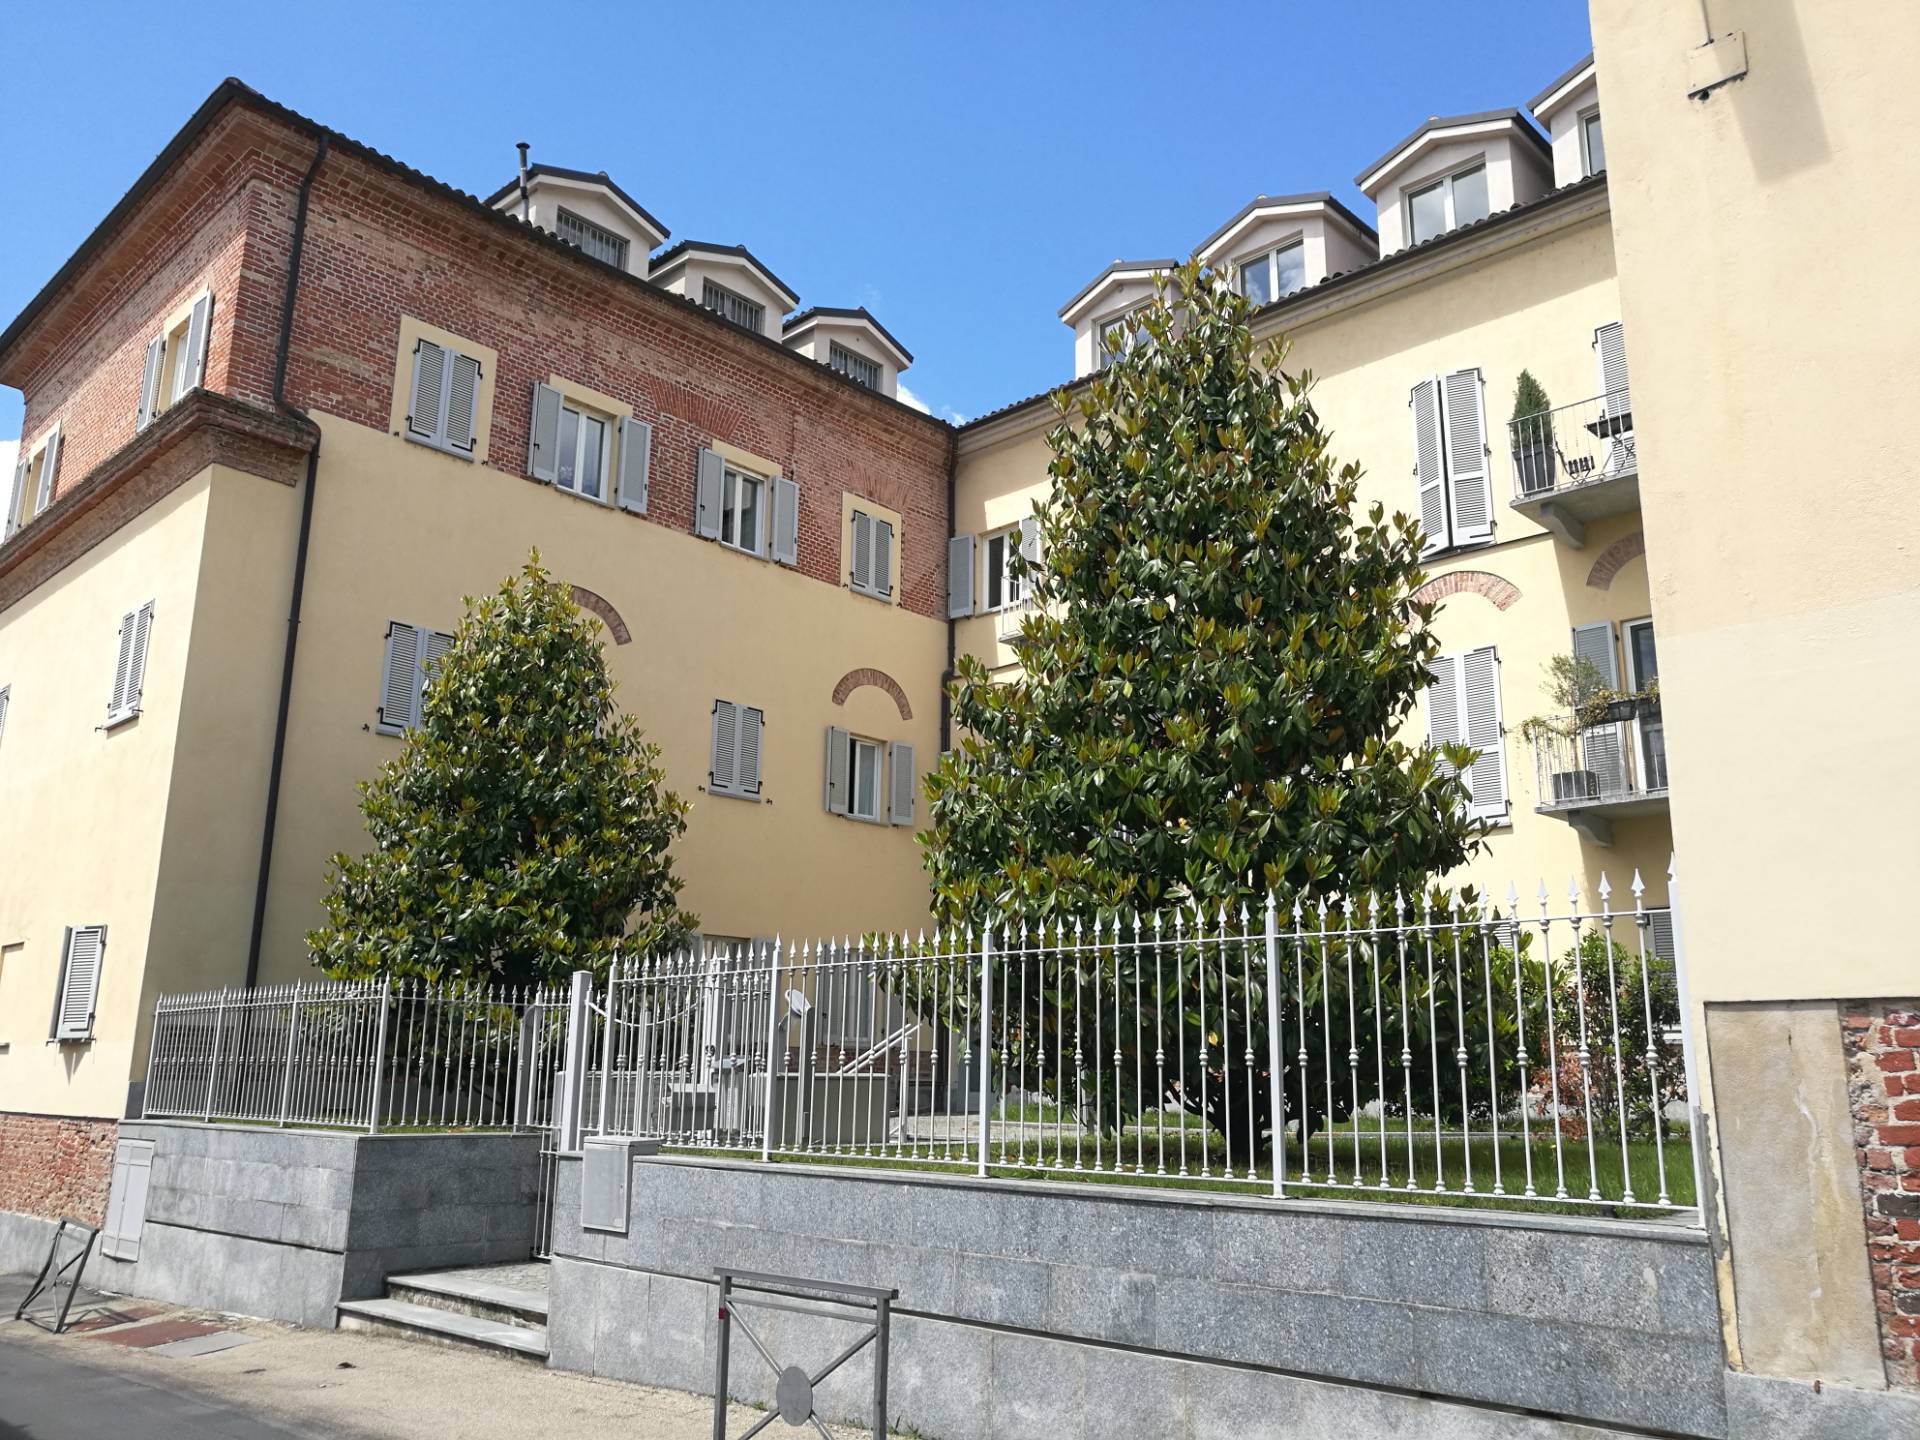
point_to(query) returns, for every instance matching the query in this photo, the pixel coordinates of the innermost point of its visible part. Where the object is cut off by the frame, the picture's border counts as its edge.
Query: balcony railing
(1616, 766)
(1559, 451)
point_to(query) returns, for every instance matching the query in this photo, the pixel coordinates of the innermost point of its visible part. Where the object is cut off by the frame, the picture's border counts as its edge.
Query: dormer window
(596, 240)
(1278, 272)
(1113, 339)
(734, 308)
(1447, 204)
(1593, 150)
(857, 368)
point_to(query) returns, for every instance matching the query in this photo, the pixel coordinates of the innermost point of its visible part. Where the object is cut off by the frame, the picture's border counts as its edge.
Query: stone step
(470, 1292)
(443, 1327)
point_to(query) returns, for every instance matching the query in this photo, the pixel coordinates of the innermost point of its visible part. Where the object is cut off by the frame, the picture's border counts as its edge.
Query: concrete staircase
(502, 1308)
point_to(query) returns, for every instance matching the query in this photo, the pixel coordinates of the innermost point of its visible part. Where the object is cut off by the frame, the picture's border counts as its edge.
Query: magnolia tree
(1221, 661)
(523, 831)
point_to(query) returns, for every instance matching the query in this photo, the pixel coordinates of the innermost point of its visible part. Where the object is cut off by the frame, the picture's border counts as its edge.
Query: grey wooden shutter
(80, 981)
(1469, 478)
(434, 645)
(726, 737)
(709, 480)
(399, 679)
(1604, 747)
(860, 567)
(127, 1199)
(883, 559)
(14, 497)
(1610, 347)
(543, 436)
(6, 692)
(192, 368)
(959, 576)
(1030, 539)
(1444, 706)
(137, 669)
(129, 670)
(900, 783)
(150, 382)
(837, 781)
(1429, 470)
(1487, 778)
(746, 764)
(1660, 941)
(636, 463)
(786, 521)
(117, 700)
(427, 404)
(463, 402)
(49, 462)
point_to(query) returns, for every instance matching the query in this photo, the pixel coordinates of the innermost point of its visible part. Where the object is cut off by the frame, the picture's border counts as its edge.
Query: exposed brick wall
(1615, 557)
(378, 248)
(56, 1166)
(1484, 583)
(1883, 1061)
(222, 225)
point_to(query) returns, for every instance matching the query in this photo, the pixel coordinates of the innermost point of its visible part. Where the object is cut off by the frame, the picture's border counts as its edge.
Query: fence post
(379, 1057)
(606, 1049)
(776, 1029)
(1276, 1014)
(1696, 1130)
(573, 1077)
(213, 1065)
(293, 1030)
(986, 1052)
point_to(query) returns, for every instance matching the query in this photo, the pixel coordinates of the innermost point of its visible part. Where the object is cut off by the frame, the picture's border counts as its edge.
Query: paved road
(48, 1393)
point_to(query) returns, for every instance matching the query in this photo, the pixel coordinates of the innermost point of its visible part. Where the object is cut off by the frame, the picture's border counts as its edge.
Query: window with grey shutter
(871, 569)
(1429, 470)
(636, 463)
(901, 783)
(1480, 694)
(1469, 476)
(883, 559)
(130, 665)
(837, 794)
(1603, 748)
(6, 693)
(80, 959)
(959, 576)
(709, 488)
(1660, 941)
(407, 666)
(444, 406)
(543, 436)
(191, 368)
(860, 565)
(49, 463)
(16, 497)
(1610, 351)
(1444, 707)
(734, 766)
(786, 521)
(150, 382)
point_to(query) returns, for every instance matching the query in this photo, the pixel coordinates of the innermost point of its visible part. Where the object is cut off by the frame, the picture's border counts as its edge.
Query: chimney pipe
(525, 200)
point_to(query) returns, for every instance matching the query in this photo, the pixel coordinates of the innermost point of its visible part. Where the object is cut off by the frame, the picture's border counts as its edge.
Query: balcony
(1576, 464)
(1592, 775)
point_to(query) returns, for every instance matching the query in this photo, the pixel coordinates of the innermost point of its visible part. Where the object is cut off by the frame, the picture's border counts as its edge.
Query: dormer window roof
(1134, 276)
(587, 209)
(727, 279)
(1565, 88)
(848, 339)
(799, 326)
(1282, 243)
(1570, 109)
(1508, 126)
(1453, 171)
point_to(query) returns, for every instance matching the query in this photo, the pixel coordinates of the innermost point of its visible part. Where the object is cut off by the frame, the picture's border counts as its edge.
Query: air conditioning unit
(1570, 786)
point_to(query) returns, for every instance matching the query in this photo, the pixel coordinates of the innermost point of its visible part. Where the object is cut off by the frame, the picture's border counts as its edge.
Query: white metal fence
(1524, 1055)
(365, 1055)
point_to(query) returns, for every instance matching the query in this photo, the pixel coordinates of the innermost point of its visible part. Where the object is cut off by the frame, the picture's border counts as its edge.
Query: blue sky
(960, 169)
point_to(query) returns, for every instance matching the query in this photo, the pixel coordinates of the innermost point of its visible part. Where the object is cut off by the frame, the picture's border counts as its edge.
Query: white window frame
(1635, 680)
(731, 306)
(24, 505)
(1012, 592)
(1269, 260)
(581, 415)
(852, 364)
(591, 239)
(1585, 120)
(1445, 185)
(733, 480)
(1103, 356)
(858, 746)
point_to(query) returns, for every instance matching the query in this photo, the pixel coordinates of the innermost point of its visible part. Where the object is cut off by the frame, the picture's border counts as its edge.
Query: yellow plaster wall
(403, 533)
(80, 806)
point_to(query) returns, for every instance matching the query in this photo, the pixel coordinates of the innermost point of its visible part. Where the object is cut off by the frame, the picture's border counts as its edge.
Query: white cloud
(951, 416)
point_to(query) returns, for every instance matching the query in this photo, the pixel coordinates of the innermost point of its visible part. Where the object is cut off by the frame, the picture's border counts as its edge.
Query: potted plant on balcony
(1574, 684)
(1531, 431)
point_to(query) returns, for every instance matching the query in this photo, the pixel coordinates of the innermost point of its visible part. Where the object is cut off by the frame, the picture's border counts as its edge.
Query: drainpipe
(298, 247)
(946, 680)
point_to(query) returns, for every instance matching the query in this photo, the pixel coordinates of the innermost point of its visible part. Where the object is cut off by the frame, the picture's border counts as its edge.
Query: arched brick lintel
(1483, 583)
(1615, 557)
(880, 680)
(599, 604)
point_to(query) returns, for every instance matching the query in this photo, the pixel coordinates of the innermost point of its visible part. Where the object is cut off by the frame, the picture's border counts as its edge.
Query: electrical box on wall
(1716, 63)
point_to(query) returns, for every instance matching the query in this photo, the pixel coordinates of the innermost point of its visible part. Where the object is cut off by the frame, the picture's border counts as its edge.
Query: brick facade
(56, 1166)
(1883, 1061)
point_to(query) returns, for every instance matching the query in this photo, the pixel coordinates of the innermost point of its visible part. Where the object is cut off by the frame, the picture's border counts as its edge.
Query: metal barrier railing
(1574, 445)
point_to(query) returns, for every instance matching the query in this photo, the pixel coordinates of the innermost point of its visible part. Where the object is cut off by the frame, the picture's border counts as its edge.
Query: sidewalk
(278, 1382)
